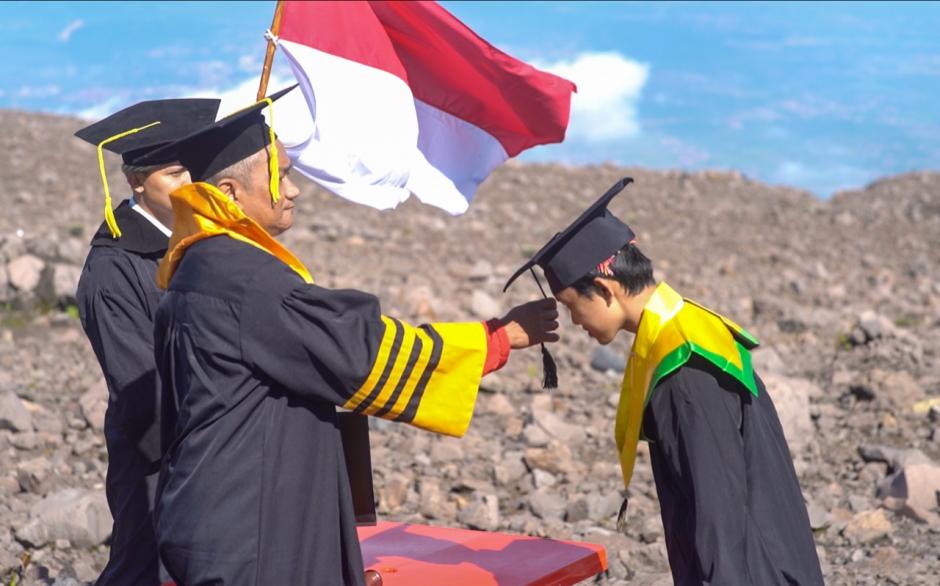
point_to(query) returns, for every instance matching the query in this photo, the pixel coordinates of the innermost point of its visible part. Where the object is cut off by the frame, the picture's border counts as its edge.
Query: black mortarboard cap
(220, 144)
(572, 253)
(177, 118)
(588, 241)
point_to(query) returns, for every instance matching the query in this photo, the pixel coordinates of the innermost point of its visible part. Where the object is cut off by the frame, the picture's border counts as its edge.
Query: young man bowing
(731, 504)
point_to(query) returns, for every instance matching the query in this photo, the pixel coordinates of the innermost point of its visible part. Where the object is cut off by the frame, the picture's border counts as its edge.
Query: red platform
(420, 555)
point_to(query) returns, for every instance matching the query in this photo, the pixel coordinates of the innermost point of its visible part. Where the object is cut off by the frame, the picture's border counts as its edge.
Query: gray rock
(915, 484)
(558, 428)
(510, 469)
(25, 272)
(420, 302)
(818, 516)
(94, 404)
(27, 440)
(6, 291)
(652, 529)
(395, 492)
(766, 360)
(535, 436)
(483, 306)
(577, 510)
(874, 325)
(604, 359)
(895, 458)
(791, 398)
(867, 526)
(447, 449)
(547, 505)
(481, 271)
(8, 561)
(482, 513)
(497, 404)
(604, 506)
(44, 420)
(32, 473)
(13, 414)
(556, 458)
(81, 516)
(433, 503)
(543, 479)
(63, 284)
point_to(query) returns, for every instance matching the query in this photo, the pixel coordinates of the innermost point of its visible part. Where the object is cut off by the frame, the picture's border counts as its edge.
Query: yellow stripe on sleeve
(378, 367)
(388, 384)
(401, 396)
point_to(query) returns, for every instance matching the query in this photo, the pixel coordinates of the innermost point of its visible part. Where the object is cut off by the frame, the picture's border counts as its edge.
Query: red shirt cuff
(497, 346)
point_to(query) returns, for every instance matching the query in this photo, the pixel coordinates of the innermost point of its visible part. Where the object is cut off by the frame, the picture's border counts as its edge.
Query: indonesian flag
(403, 98)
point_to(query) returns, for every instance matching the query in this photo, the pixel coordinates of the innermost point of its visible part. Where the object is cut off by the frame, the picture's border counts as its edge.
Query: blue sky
(822, 96)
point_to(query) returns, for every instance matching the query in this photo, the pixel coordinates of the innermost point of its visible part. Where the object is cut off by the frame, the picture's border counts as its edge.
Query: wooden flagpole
(269, 54)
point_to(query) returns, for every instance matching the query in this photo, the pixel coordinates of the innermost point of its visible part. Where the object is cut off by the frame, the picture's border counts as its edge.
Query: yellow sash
(671, 329)
(201, 211)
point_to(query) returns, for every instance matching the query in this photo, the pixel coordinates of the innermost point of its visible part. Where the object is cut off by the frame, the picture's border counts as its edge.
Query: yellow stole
(670, 330)
(201, 211)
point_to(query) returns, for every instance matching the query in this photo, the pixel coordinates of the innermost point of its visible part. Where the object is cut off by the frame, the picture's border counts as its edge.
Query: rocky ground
(843, 293)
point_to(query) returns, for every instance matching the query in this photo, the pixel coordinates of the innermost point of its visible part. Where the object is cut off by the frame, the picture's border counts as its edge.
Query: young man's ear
(135, 181)
(605, 288)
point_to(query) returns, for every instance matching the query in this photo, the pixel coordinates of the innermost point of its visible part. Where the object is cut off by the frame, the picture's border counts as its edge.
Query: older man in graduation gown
(731, 504)
(255, 357)
(117, 299)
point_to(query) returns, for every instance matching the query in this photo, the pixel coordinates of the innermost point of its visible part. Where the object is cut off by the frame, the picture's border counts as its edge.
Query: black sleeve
(121, 333)
(336, 346)
(314, 342)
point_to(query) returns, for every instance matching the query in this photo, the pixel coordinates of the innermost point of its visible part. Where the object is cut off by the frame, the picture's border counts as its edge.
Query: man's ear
(605, 288)
(135, 181)
(231, 188)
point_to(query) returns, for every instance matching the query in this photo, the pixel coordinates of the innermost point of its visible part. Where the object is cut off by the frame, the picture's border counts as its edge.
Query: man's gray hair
(239, 170)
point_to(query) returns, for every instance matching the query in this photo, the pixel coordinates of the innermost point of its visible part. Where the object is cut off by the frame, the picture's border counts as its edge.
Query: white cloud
(292, 120)
(70, 28)
(609, 88)
(823, 180)
(241, 94)
(101, 109)
(39, 91)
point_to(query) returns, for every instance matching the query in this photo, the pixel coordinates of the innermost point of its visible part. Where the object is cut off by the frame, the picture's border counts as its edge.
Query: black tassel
(622, 516)
(549, 370)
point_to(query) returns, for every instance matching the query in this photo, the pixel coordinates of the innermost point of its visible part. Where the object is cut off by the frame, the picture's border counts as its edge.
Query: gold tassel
(108, 211)
(273, 164)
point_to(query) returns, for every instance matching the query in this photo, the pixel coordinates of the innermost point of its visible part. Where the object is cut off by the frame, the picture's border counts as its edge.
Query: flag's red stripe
(445, 64)
(346, 29)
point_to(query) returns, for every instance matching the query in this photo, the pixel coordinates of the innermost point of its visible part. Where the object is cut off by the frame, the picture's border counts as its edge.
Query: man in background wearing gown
(117, 298)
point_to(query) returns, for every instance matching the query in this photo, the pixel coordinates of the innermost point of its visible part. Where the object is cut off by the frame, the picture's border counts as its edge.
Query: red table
(420, 555)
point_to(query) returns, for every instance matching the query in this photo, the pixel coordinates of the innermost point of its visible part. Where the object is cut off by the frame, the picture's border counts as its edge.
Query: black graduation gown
(117, 300)
(253, 361)
(731, 504)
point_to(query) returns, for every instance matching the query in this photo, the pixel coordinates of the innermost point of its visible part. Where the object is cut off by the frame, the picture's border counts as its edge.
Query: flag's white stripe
(364, 136)
(456, 156)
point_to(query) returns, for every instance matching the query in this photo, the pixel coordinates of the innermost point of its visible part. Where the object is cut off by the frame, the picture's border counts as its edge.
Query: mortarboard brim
(220, 144)
(176, 118)
(589, 240)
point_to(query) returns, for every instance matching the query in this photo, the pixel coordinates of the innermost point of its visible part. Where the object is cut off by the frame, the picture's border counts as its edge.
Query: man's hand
(531, 323)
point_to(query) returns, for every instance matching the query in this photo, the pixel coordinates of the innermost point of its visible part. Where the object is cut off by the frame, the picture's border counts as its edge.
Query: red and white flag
(404, 98)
